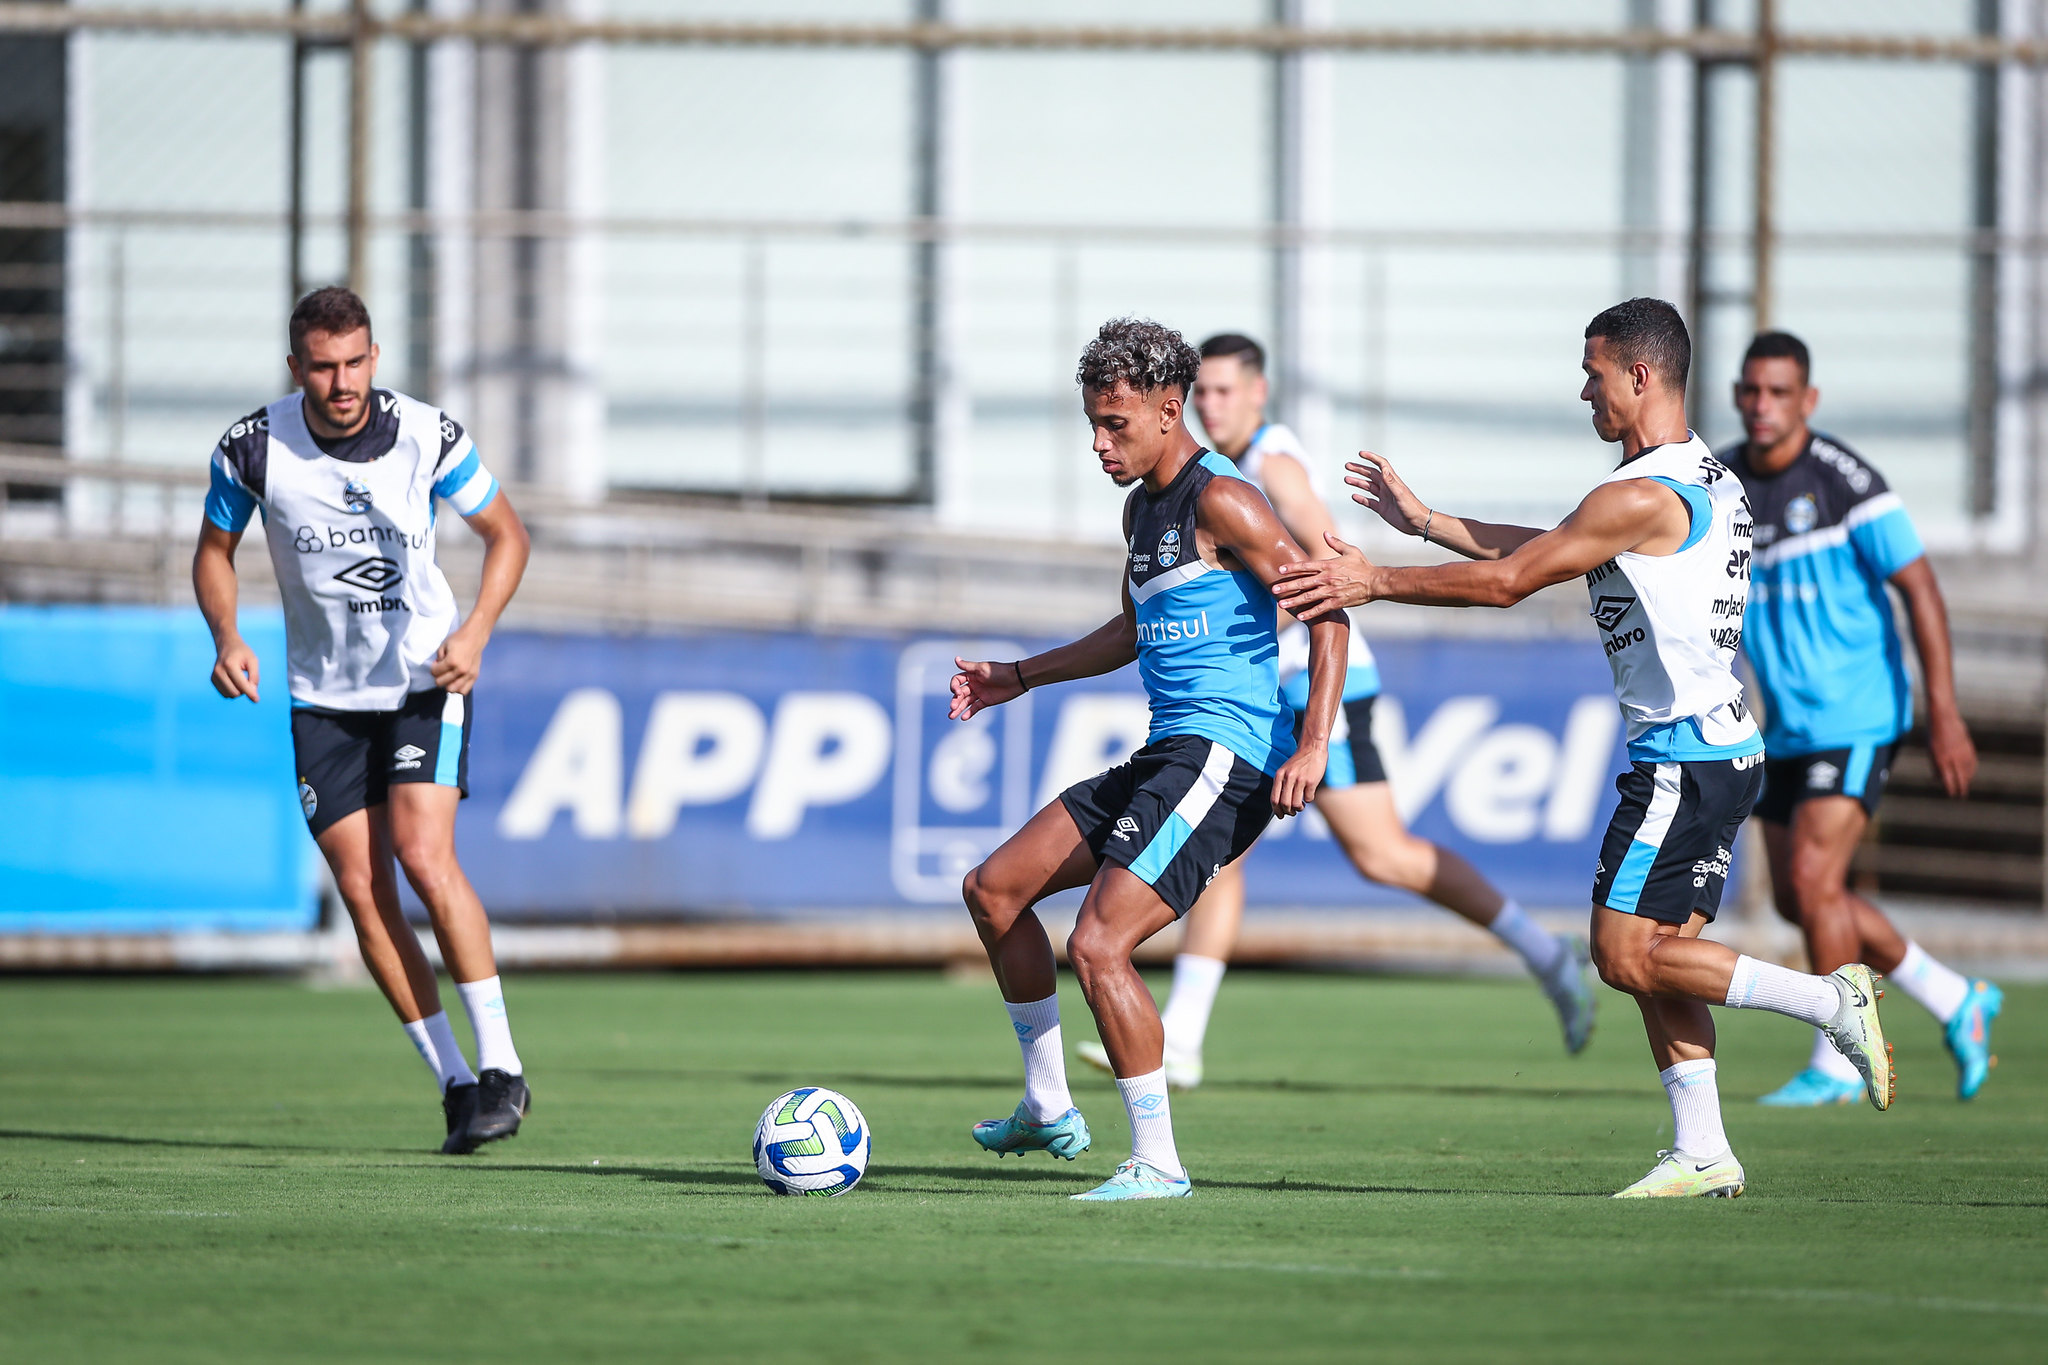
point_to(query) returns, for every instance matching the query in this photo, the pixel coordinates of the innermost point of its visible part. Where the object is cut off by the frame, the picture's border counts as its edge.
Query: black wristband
(1018, 664)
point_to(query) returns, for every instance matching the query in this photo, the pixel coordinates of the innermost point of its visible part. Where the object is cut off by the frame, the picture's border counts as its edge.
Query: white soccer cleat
(1678, 1176)
(1857, 1035)
(1183, 1069)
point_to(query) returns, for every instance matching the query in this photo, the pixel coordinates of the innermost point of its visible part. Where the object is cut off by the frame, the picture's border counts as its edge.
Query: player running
(1355, 800)
(1220, 762)
(346, 476)
(1663, 545)
(1820, 635)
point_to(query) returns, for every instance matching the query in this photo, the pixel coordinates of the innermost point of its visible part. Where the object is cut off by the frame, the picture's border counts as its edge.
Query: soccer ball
(811, 1141)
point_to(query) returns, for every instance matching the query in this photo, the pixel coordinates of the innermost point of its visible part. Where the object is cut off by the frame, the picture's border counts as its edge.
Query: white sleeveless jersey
(1275, 441)
(1673, 623)
(351, 536)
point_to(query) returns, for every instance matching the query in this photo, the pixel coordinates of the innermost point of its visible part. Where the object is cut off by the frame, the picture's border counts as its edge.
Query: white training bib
(1673, 623)
(1276, 441)
(352, 541)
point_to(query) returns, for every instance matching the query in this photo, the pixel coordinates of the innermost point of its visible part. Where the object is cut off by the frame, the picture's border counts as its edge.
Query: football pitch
(244, 1170)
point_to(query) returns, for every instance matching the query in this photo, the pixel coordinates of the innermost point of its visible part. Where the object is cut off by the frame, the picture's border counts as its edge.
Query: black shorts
(1176, 814)
(1859, 771)
(1354, 758)
(347, 759)
(1667, 849)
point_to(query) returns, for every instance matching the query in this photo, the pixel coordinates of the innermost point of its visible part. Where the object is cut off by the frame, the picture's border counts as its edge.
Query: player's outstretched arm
(1614, 518)
(981, 684)
(1381, 489)
(1244, 523)
(1948, 738)
(235, 668)
(506, 550)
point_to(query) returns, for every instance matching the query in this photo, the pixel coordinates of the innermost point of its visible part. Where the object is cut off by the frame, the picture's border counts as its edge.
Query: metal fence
(768, 257)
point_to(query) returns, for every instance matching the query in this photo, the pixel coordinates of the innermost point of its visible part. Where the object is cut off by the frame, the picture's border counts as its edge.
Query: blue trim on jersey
(449, 484)
(1342, 769)
(1887, 543)
(490, 496)
(1681, 742)
(1173, 836)
(1627, 890)
(1699, 506)
(228, 504)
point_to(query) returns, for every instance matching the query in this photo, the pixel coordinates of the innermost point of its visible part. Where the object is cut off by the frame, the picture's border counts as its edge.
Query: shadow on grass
(1281, 1085)
(126, 1140)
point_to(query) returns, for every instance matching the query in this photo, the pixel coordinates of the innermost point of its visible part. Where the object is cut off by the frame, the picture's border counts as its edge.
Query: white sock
(435, 1042)
(1539, 948)
(1939, 988)
(1151, 1122)
(1695, 1109)
(1186, 1016)
(485, 1002)
(1831, 1063)
(1037, 1025)
(1767, 986)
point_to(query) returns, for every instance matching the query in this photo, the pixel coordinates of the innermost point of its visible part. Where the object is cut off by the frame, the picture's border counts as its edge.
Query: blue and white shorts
(1668, 846)
(1180, 811)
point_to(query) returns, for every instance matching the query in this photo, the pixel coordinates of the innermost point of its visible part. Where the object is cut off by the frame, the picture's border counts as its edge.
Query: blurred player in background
(347, 476)
(1661, 543)
(1820, 634)
(1220, 761)
(1355, 800)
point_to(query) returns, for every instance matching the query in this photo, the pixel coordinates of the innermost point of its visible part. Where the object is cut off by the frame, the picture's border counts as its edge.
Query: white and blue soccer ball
(811, 1141)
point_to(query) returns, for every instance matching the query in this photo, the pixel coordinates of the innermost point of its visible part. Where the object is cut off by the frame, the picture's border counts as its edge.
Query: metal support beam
(1304, 167)
(1763, 230)
(362, 38)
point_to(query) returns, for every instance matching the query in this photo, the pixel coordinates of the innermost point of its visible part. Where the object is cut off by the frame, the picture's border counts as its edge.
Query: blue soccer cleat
(1066, 1137)
(1968, 1035)
(1136, 1179)
(1813, 1089)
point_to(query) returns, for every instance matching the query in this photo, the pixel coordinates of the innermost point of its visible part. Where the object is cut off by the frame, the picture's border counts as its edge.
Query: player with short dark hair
(1355, 799)
(1220, 762)
(1662, 543)
(1819, 632)
(380, 669)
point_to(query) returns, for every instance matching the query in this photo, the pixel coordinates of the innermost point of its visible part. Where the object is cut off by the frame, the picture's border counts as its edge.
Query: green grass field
(244, 1171)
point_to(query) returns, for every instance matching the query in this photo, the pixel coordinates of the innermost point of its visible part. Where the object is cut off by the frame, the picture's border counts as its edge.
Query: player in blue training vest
(1220, 762)
(1820, 636)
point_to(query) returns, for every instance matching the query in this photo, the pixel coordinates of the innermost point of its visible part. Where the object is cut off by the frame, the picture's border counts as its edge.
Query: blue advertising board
(134, 798)
(719, 773)
(744, 773)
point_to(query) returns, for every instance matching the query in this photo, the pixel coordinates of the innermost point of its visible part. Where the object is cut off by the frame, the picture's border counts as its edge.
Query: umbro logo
(1023, 1030)
(374, 574)
(408, 757)
(1125, 828)
(1822, 776)
(1148, 1103)
(1608, 611)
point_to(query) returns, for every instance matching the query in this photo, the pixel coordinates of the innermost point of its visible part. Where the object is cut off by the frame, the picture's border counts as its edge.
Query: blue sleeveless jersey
(1208, 649)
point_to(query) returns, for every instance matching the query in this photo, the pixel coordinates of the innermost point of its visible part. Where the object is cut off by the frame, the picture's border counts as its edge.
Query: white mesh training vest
(365, 605)
(1271, 440)
(1673, 623)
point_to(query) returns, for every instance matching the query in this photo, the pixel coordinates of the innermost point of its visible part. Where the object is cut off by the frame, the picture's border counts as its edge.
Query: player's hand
(1381, 489)
(978, 686)
(235, 670)
(457, 662)
(1294, 786)
(1953, 752)
(1316, 587)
